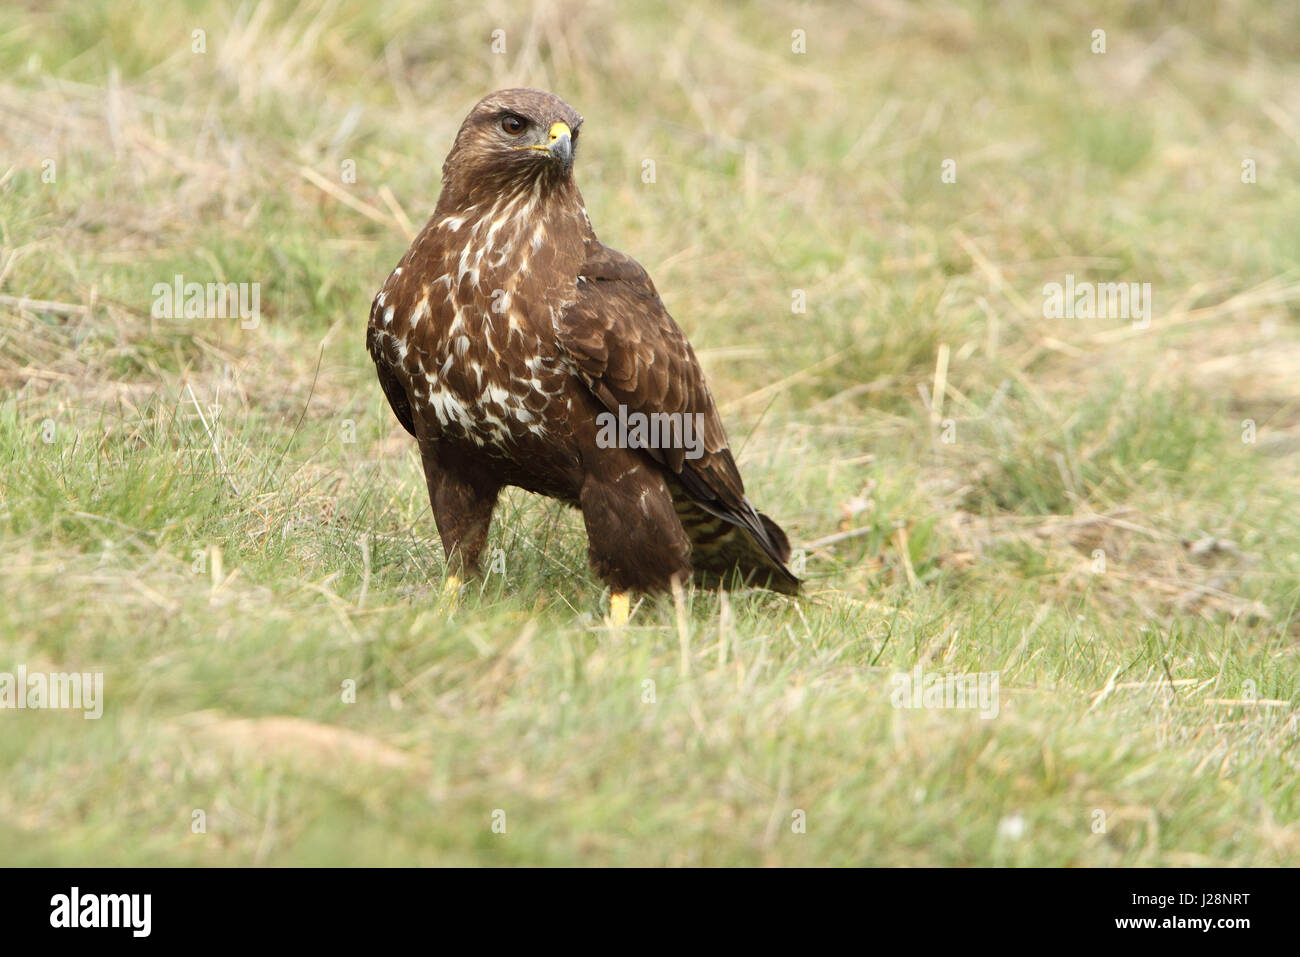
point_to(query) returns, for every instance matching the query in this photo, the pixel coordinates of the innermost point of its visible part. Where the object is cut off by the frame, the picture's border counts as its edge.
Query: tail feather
(727, 551)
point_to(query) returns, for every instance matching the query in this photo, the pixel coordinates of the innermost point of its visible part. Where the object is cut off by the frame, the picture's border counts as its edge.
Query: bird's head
(512, 139)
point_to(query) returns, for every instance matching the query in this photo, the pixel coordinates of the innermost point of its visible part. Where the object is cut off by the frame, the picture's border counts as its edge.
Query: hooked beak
(560, 146)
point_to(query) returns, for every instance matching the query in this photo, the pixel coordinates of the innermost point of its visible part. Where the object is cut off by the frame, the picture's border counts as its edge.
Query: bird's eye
(514, 125)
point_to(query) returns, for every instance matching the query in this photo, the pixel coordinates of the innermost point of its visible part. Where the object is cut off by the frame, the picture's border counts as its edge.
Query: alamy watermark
(654, 430)
(1098, 300)
(215, 300)
(975, 691)
(66, 690)
(133, 912)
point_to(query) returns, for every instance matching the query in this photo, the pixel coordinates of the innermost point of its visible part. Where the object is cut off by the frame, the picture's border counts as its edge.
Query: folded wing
(630, 353)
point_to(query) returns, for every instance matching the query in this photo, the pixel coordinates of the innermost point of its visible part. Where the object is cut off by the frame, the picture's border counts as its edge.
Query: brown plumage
(507, 331)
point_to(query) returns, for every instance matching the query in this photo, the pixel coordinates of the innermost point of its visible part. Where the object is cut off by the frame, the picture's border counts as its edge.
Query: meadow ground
(229, 524)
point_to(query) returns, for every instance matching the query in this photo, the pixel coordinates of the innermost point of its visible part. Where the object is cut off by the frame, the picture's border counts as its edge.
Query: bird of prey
(519, 350)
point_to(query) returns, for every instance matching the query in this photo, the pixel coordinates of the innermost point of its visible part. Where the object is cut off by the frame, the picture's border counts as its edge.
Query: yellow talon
(451, 589)
(619, 608)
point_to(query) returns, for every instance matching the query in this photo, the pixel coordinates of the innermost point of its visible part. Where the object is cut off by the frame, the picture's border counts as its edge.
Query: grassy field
(228, 523)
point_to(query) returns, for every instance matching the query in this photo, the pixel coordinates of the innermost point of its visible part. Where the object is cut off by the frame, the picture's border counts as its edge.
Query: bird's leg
(462, 509)
(634, 539)
(620, 606)
(451, 589)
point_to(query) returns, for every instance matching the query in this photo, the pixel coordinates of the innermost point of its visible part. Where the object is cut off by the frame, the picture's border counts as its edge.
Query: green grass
(1080, 514)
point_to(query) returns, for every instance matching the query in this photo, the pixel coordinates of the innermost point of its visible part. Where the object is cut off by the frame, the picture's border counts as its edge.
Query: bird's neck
(488, 243)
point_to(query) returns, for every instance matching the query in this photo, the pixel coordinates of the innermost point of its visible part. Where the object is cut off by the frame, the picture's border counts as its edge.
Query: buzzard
(518, 350)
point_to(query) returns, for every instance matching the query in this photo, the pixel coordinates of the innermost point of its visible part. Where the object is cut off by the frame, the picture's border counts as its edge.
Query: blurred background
(857, 212)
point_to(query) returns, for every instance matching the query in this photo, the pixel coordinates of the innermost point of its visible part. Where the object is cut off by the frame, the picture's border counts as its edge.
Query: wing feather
(392, 386)
(631, 353)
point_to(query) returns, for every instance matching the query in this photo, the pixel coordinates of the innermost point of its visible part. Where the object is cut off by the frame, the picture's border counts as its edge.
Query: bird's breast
(469, 317)
(478, 367)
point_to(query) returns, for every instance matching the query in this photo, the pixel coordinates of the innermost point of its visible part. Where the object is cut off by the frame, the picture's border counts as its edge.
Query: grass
(229, 524)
